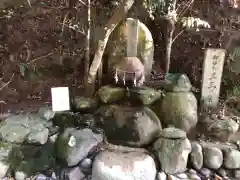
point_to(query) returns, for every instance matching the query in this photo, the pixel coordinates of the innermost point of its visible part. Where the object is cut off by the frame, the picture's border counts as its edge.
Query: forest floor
(34, 58)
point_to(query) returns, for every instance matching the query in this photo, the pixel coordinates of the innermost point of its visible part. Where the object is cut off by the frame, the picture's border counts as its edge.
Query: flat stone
(173, 133)
(110, 93)
(144, 95)
(213, 157)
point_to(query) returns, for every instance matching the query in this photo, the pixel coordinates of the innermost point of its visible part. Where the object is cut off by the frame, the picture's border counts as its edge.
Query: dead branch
(41, 57)
(179, 34)
(75, 28)
(118, 15)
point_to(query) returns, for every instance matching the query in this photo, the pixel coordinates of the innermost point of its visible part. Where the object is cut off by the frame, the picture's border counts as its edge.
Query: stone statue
(131, 50)
(129, 69)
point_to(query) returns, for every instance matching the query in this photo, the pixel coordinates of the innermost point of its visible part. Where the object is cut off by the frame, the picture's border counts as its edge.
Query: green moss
(31, 159)
(62, 148)
(64, 120)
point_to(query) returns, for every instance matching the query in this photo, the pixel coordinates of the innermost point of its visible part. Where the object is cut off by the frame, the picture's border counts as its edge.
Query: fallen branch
(180, 33)
(41, 57)
(117, 17)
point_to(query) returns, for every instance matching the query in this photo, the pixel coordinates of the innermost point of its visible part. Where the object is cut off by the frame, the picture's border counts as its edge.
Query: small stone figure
(130, 72)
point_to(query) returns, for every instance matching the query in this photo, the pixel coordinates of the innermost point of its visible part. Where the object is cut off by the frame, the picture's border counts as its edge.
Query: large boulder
(126, 125)
(179, 109)
(172, 149)
(220, 129)
(74, 145)
(116, 165)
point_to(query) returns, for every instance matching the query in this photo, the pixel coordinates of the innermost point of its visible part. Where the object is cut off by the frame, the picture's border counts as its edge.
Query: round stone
(206, 172)
(213, 157)
(222, 172)
(86, 163)
(192, 172)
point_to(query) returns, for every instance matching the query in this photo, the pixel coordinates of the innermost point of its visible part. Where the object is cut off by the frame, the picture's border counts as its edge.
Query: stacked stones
(116, 136)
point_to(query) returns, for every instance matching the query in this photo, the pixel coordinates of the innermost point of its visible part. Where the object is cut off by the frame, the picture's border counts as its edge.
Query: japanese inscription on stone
(212, 74)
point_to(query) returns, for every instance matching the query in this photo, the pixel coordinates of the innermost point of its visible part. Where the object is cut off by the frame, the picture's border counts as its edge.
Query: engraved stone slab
(212, 74)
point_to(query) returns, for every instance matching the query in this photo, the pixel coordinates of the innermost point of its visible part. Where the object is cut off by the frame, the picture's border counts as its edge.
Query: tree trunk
(117, 17)
(169, 41)
(87, 46)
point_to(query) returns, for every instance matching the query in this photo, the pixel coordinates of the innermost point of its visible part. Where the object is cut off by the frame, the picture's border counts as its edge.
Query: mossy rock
(111, 94)
(130, 123)
(31, 159)
(176, 82)
(84, 104)
(65, 119)
(144, 95)
(179, 110)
